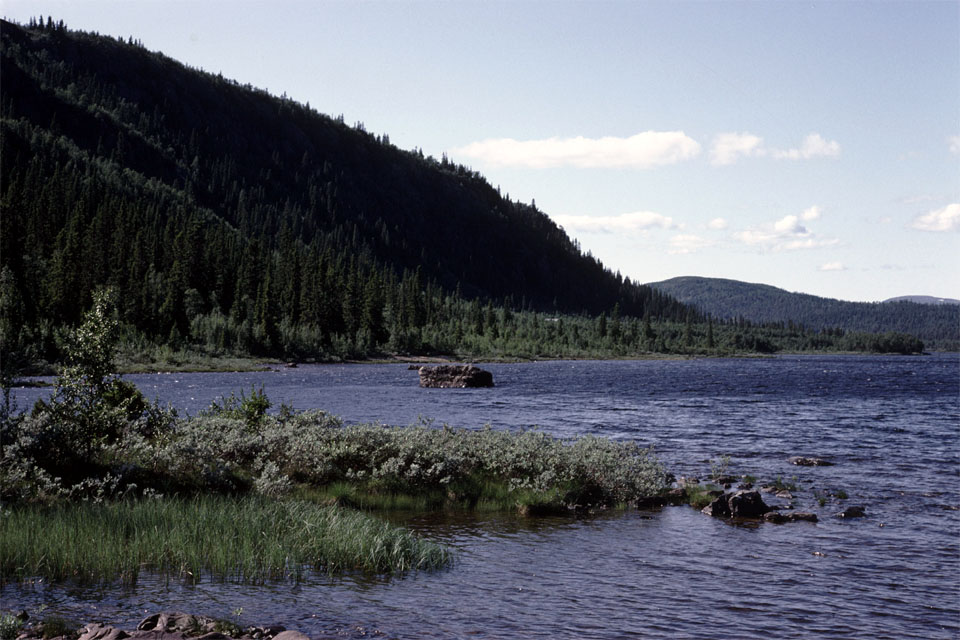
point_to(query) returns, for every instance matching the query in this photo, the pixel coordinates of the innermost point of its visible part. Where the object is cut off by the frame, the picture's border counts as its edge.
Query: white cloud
(786, 234)
(809, 243)
(789, 226)
(718, 223)
(814, 145)
(954, 142)
(833, 266)
(635, 222)
(643, 150)
(688, 243)
(728, 147)
(945, 219)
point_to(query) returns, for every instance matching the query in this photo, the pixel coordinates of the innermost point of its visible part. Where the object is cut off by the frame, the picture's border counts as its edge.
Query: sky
(812, 146)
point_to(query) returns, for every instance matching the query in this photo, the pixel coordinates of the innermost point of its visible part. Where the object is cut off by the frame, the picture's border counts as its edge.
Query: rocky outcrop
(742, 504)
(451, 376)
(171, 626)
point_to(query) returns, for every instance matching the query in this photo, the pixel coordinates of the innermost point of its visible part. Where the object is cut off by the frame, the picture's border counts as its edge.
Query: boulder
(742, 504)
(719, 508)
(98, 632)
(802, 461)
(451, 376)
(747, 504)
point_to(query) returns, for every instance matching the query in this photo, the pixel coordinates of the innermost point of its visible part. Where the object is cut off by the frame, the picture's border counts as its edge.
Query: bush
(68, 439)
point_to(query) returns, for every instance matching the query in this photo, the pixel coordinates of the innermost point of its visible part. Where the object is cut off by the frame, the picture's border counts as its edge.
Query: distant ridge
(924, 300)
(938, 325)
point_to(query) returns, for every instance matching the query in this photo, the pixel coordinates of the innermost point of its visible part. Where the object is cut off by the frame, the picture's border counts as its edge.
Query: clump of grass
(700, 495)
(55, 626)
(10, 626)
(248, 539)
(785, 485)
(718, 468)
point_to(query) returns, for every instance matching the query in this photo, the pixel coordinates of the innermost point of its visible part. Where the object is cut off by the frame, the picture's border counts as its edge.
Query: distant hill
(936, 325)
(924, 300)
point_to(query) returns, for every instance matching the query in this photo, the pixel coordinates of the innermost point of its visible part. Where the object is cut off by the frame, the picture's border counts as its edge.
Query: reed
(249, 540)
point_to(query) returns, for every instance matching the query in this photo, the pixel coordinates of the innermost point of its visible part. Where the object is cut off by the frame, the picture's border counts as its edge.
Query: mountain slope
(760, 303)
(194, 196)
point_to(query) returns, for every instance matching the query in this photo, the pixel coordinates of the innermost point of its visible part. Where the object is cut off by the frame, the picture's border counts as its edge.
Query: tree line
(230, 221)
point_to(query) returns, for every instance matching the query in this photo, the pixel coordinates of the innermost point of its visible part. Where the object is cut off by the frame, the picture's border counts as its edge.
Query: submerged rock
(802, 461)
(451, 376)
(778, 517)
(651, 502)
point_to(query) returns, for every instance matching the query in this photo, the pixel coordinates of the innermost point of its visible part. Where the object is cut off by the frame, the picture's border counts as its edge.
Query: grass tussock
(700, 495)
(248, 539)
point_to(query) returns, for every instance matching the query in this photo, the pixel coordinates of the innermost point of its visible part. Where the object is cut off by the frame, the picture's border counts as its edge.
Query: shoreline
(254, 365)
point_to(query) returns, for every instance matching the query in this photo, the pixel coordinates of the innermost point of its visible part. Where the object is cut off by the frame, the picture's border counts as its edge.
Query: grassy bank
(252, 495)
(249, 539)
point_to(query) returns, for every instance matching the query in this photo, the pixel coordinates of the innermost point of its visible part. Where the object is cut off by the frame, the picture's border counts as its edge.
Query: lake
(891, 425)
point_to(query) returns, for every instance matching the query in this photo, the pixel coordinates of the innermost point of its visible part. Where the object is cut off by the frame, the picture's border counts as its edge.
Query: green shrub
(10, 626)
(251, 409)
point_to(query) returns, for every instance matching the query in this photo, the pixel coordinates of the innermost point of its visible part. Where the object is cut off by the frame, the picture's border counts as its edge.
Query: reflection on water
(890, 424)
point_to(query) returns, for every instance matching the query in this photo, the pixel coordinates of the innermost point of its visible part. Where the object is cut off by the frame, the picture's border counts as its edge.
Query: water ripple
(889, 424)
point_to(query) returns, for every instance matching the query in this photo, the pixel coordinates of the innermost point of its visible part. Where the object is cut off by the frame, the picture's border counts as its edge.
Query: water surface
(891, 425)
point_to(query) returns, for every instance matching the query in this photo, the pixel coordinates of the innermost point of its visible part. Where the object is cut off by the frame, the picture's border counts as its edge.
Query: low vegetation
(250, 539)
(97, 459)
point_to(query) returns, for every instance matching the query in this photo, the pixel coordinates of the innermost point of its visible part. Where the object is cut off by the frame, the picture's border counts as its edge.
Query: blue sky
(813, 146)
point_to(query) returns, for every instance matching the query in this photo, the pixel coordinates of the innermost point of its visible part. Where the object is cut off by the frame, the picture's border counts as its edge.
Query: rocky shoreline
(168, 625)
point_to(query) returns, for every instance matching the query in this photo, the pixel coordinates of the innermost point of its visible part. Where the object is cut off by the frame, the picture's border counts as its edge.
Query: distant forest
(229, 221)
(937, 325)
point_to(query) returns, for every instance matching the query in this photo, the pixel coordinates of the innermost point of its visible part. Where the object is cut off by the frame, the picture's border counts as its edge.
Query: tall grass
(249, 539)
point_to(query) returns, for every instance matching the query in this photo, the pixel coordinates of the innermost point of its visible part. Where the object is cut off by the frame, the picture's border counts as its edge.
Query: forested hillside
(937, 325)
(202, 201)
(224, 220)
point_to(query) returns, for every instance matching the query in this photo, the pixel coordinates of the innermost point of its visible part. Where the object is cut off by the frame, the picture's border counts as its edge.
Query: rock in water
(454, 376)
(719, 508)
(803, 461)
(742, 504)
(747, 504)
(793, 516)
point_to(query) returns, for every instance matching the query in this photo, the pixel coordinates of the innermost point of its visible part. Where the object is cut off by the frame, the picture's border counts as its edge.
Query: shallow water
(891, 425)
